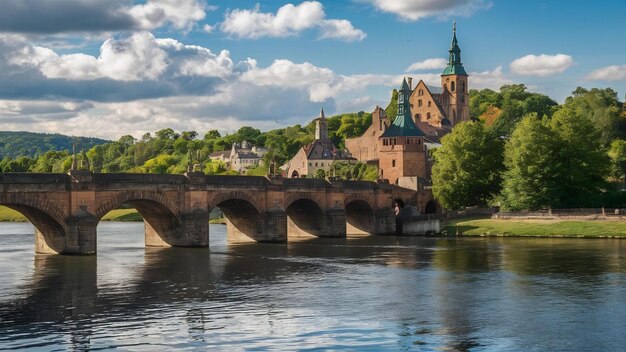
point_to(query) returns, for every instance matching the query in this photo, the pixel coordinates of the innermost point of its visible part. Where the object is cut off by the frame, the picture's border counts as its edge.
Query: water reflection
(359, 293)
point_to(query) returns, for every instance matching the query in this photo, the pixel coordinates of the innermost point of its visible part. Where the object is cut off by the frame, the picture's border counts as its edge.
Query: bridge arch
(359, 217)
(243, 213)
(305, 217)
(161, 215)
(48, 220)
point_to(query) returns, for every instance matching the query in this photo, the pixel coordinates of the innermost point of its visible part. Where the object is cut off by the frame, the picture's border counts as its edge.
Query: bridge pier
(385, 222)
(335, 224)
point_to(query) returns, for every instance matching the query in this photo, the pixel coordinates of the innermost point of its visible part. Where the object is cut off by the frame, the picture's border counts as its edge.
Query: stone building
(317, 155)
(365, 147)
(241, 156)
(435, 110)
(402, 152)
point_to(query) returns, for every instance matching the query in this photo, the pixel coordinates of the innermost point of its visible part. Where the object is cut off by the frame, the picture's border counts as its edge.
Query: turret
(321, 127)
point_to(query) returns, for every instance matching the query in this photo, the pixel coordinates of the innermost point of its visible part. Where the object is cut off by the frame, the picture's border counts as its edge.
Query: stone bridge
(66, 208)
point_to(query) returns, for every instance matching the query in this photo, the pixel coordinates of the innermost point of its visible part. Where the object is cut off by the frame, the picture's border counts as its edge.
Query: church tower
(321, 127)
(401, 147)
(455, 86)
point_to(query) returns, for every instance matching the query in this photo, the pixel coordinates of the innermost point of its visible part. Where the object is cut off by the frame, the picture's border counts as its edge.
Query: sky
(117, 67)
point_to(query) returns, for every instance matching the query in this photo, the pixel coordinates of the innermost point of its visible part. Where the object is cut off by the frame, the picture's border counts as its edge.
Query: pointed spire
(455, 66)
(322, 116)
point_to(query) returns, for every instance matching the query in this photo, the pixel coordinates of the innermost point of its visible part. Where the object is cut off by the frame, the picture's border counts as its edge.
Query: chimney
(410, 82)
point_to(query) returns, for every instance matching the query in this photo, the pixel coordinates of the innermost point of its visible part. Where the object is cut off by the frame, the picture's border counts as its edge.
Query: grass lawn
(536, 228)
(7, 214)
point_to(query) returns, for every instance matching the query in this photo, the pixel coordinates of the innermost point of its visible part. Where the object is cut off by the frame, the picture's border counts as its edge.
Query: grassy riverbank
(535, 228)
(7, 214)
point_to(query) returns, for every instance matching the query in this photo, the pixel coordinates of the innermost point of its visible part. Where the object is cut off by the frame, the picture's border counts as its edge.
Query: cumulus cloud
(541, 65)
(414, 10)
(608, 73)
(181, 14)
(428, 64)
(136, 58)
(289, 20)
(492, 79)
(59, 16)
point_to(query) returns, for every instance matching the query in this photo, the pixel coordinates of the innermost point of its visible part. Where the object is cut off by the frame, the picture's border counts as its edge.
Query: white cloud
(181, 14)
(289, 20)
(136, 58)
(493, 79)
(428, 64)
(608, 73)
(417, 9)
(541, 65)
(340, 29)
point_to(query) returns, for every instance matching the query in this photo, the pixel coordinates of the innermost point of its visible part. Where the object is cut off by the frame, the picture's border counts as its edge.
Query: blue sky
(109, 68)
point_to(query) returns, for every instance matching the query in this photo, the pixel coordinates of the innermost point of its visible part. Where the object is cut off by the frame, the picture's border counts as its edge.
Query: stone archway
(305, 218)
(161, 221)
(360, 218)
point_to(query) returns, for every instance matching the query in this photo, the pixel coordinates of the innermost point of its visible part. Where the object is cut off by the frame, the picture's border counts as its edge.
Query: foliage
(32, 145)
(467, 166)
(601, 107)
(558, 163)
(392, 108)
(617, 153)
(512, 103)
(320, 173)
(357, 171)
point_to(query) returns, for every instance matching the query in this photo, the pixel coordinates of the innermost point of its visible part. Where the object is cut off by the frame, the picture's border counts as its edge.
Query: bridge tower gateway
(66, 208)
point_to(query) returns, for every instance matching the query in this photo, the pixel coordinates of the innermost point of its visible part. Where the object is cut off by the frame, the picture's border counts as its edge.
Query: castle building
(317, 155)
(365, 147)
(402, 150)
(434, 110)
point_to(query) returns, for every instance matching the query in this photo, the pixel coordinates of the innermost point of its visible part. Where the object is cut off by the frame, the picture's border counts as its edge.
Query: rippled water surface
(363, 293)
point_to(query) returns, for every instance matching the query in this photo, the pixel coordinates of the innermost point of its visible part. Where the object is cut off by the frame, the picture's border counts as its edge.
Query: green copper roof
(403, 125)
(454, 70)
(455, 67)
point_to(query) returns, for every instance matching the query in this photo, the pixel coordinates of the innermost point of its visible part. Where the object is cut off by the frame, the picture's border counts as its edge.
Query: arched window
(420, 92)
(417, 117)
(464, 87)
(428, 116)
(452, 86)
(419, 102)
(393, 163)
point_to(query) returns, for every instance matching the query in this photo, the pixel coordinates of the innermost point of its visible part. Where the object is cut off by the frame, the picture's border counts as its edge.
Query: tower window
(463, 86)
(462, 98)
(393, 163)
(452, 86)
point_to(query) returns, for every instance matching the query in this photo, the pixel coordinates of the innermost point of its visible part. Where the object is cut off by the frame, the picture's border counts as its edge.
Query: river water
(361, 293)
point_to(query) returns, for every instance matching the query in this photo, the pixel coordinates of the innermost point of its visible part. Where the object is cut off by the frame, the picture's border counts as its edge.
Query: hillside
(14, 144)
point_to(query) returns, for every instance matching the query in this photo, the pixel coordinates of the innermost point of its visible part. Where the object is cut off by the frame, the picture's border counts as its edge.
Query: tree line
(534, 154)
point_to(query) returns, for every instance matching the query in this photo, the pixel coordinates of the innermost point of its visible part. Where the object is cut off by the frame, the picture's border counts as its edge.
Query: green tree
(468, 166)
(320, 174)
(557, 163)
(392, 108)
(532, 174)
(600, 106)
(617, 153)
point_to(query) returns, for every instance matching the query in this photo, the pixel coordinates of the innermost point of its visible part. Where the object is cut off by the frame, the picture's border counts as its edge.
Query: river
(361, 293)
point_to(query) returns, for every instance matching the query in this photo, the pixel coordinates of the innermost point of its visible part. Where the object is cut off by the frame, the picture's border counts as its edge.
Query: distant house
(317, 155)
(241, 156)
